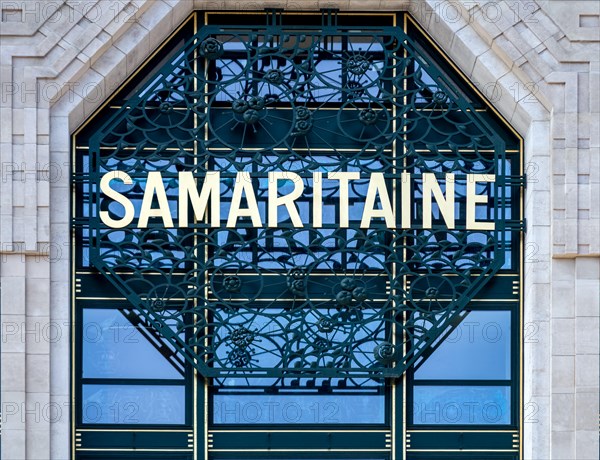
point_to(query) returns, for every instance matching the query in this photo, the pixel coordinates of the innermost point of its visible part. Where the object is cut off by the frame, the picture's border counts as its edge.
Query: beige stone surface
(59, 60)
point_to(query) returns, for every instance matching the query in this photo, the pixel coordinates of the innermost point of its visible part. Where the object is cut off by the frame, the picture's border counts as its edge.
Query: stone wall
(539, 61)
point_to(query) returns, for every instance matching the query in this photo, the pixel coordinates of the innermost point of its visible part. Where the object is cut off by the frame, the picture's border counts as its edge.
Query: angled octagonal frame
(387, 107)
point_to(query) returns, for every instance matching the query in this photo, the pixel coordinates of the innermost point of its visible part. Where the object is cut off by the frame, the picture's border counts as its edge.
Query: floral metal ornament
(328, 300)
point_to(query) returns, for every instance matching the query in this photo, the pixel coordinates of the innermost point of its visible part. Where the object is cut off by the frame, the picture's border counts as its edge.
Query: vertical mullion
(403, 380)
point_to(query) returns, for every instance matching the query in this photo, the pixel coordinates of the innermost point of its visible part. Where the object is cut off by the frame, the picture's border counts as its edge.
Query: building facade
(99, 360)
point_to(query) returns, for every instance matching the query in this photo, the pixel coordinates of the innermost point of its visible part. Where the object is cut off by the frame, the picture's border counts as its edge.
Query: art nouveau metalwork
(289, 302)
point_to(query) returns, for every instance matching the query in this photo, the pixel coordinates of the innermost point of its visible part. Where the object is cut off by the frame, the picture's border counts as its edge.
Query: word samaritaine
(207, 198)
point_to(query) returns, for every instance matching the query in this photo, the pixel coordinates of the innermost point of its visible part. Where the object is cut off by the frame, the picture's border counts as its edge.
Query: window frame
(197, 394)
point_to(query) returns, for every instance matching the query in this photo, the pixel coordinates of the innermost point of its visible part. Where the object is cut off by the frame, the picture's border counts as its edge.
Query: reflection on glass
(461, 405)
(292, 409)
(134, 404)
(115, 348)
(479, 348)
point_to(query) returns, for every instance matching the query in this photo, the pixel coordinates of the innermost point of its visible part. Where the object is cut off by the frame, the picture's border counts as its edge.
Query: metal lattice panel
(324, 301)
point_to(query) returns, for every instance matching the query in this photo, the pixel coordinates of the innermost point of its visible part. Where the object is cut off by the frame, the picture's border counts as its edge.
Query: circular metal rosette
(328, 338)
(297, 280)
(348, 289)
(363, 63)
(432, 293)
(319, 341)
(386, 352)
(221, 60)
(211, 48)
(367, 122)
(237, 282)
(248, 116)
(167, 114)
(352, 291)
(281, 71)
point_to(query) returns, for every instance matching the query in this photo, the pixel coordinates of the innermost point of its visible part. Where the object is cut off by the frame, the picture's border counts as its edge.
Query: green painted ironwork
(289, 302)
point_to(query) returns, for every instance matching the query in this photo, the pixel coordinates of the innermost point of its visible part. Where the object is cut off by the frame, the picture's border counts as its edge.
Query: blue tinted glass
(115, 348)
(289, 409)
(134, 404)
(479, 348)
(461, 405)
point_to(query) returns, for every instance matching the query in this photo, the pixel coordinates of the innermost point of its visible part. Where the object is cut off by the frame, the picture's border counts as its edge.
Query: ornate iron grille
(326, 301)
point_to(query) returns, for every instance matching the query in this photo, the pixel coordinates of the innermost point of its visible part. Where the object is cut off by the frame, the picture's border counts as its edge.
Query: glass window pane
(134, 404)
(305, 409)
(115, 348)
(479, 348)
(461, 405)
